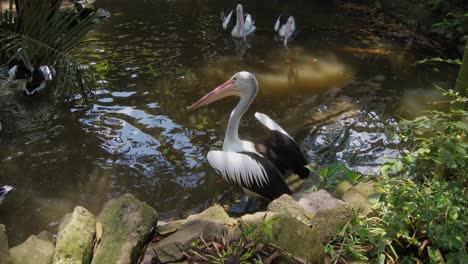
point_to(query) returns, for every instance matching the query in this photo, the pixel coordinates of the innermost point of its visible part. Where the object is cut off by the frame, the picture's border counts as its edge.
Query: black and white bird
(285, 27)
(4, 192)
(33, 79)
(244, 24)
(257, 167)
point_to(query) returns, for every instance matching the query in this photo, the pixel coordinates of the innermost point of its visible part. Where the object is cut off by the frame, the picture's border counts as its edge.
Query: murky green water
(157, 58)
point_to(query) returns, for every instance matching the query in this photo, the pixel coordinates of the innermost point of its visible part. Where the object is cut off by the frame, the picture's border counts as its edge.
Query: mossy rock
(4, 253)
(127, 224)
(35, 250)
(75, 237)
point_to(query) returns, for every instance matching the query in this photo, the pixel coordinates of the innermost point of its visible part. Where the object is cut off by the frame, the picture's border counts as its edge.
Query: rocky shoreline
(128, 231)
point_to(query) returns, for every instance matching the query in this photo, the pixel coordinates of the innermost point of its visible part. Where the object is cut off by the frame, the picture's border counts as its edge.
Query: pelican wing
(4, 192)
(249, 170)
(277, 24)
(249, 25)
(281, 149)
(12, 73)
(270, 124)
(46, 72)
(293, 28)
(225, 19)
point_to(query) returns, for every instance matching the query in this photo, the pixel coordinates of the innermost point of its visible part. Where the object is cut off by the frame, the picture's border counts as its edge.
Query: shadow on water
(158, 57)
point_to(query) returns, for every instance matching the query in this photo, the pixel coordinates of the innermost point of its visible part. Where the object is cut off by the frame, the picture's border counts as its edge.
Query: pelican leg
(241, 207)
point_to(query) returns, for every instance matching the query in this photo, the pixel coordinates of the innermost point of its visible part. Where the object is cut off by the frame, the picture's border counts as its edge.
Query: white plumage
(240, 168)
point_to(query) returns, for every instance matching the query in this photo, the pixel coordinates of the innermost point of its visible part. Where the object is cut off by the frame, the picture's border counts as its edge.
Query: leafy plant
(336, 173)
(452, 25)
(249, 248)
(47, 35)
(437, 138)
(438, 60)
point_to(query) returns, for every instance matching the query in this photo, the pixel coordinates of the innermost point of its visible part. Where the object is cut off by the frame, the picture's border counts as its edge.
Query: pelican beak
(226, 89)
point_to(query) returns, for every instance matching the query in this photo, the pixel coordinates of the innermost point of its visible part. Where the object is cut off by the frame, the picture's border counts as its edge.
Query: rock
(285, 204)
(330, 213)
(34, 250)
(342, 187)
(75, 237)
(127, 223)
(172, 247)
(366, 188)
(289, 234)
(213, 213)
(4, 254)
(358, 201)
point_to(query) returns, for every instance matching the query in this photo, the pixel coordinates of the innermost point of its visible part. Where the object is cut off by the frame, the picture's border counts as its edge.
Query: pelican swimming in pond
(34, 78)
(285, 28)
(257, 167)
(244, 23)
(4, 192)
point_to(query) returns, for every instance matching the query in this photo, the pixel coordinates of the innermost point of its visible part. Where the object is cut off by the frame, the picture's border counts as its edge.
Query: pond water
(159, 56)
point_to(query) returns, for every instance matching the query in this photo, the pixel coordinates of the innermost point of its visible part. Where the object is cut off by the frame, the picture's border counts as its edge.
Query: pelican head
(242, 84)
(240, 19)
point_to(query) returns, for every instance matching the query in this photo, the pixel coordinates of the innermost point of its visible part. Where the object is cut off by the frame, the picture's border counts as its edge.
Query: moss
(126, 222)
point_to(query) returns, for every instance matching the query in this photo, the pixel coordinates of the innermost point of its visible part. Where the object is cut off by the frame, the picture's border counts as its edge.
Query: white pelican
(34, 77)
(258, 167)
(244, 24)
(4, 192)
(285, 28)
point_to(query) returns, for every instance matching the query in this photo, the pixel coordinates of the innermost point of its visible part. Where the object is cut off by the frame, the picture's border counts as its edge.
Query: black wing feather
(276, 185)
(284, 153)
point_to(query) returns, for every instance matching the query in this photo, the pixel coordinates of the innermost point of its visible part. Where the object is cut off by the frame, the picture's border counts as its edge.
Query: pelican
(4, 192)
(257, 167)
(34, 77)
(244, 24)
(285, 28)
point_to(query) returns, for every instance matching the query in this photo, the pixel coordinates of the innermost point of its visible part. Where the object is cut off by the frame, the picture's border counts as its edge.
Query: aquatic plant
(47, 34)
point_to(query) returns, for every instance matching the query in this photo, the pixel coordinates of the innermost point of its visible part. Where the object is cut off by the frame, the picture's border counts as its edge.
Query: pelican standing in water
(257, 167)
(244, 24)
(33, 78)
(285, 28)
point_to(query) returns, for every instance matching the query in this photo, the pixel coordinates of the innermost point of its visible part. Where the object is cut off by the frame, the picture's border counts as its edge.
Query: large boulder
(171, 249)
(4, 253)
(330, 214)
(127, 224)
(288, 233)
(213, 213)
(285, 204)
(35, 250)
(75, 237)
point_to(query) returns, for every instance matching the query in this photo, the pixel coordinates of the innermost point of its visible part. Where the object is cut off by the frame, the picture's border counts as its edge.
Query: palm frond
(47, 35)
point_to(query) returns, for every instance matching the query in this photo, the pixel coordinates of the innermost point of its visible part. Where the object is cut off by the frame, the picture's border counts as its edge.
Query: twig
(341, 250)
(298, 260)
(272, 257)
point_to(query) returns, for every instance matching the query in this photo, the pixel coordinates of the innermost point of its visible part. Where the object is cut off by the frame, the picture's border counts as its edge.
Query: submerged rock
(75, 237)
(171, 249)
(127, 223)
(4, 254)
(35, 250)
